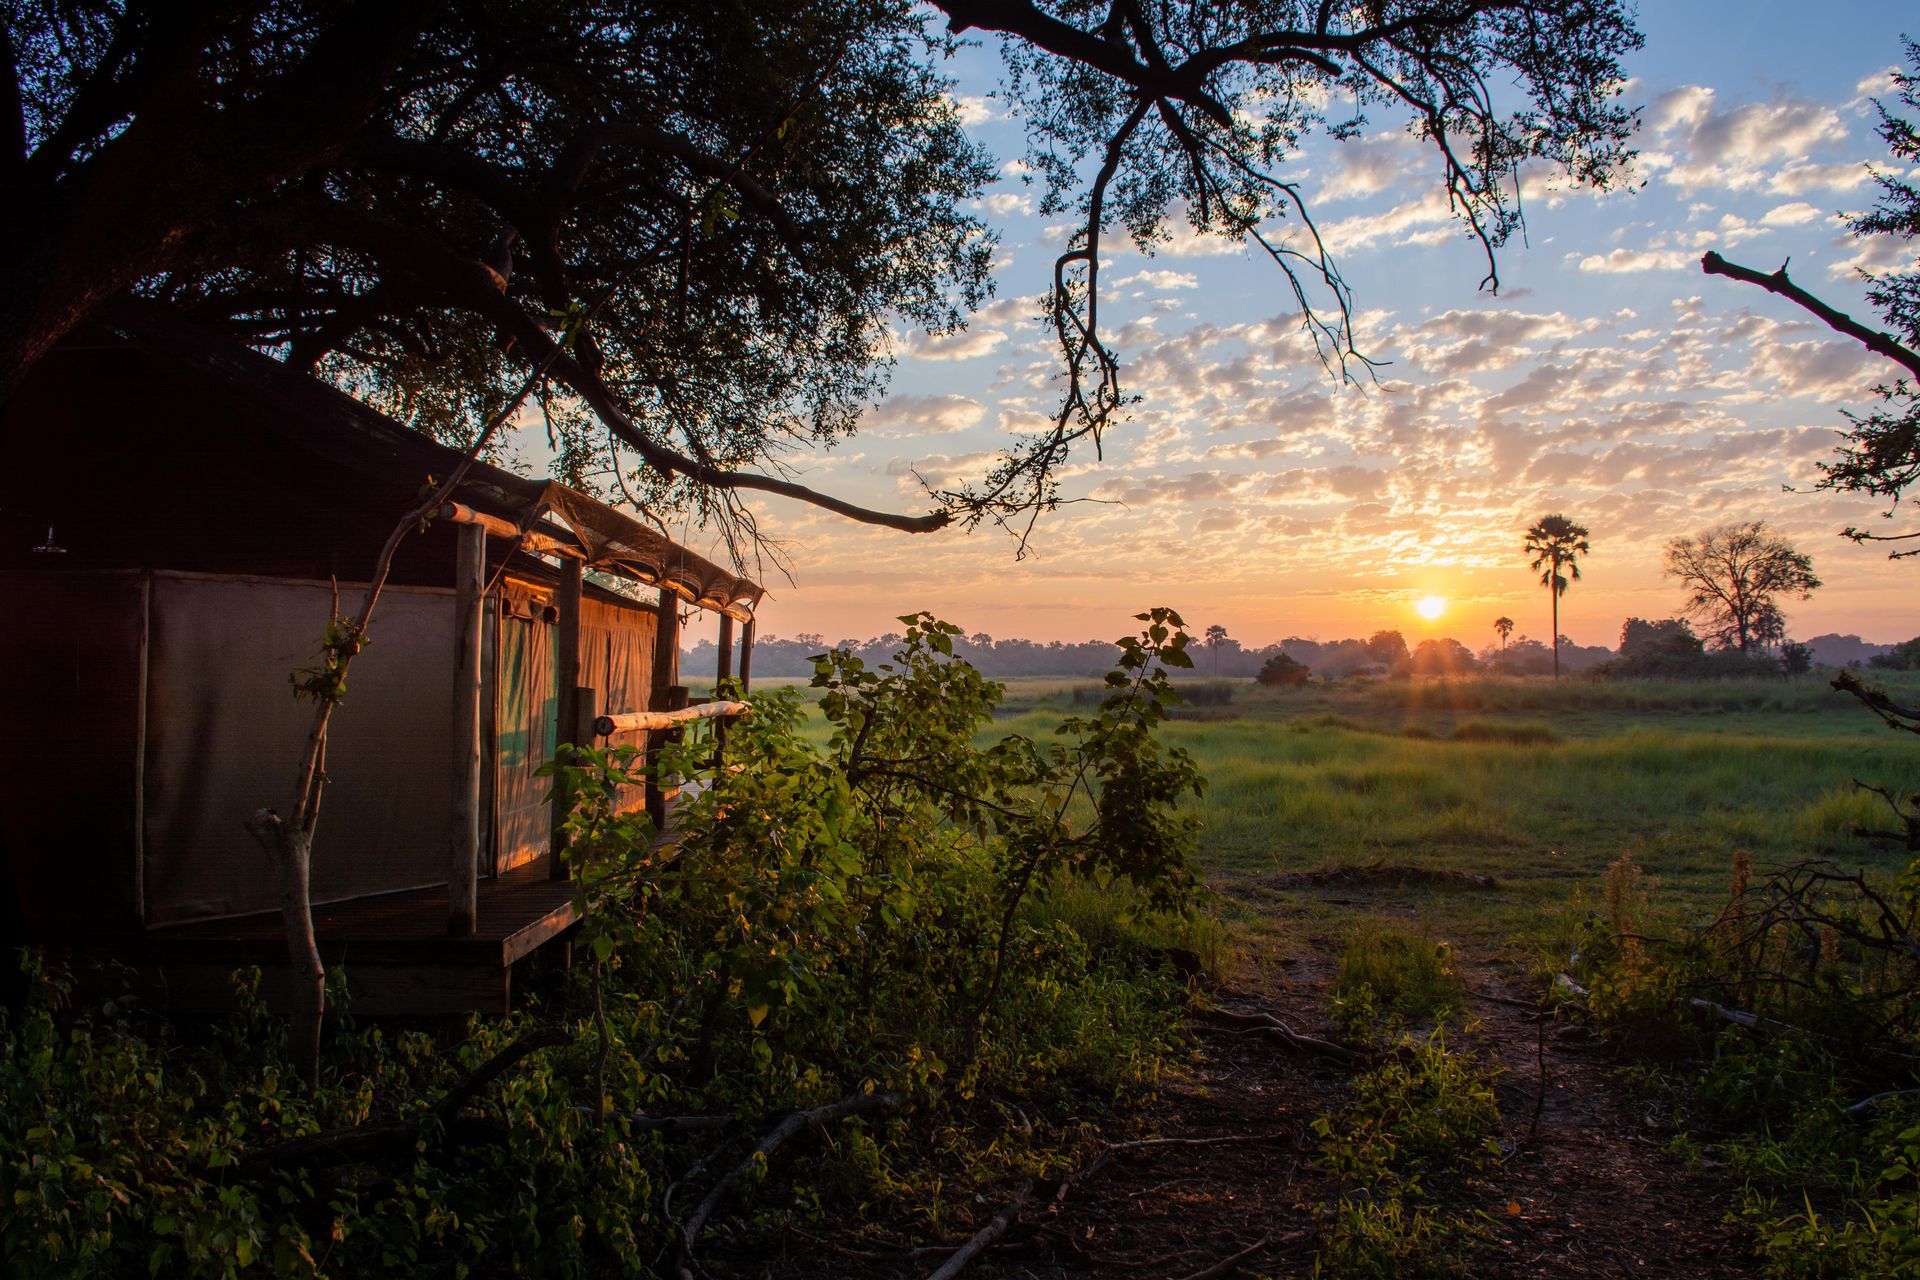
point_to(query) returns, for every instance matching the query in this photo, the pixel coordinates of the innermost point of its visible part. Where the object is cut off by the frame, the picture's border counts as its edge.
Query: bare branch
(1839, 321)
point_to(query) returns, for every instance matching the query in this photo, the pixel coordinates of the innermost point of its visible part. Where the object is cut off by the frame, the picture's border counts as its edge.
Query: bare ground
(1586, 1190)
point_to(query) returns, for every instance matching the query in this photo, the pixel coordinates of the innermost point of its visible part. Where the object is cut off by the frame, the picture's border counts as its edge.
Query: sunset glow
(1430, 607)
(1252, 489)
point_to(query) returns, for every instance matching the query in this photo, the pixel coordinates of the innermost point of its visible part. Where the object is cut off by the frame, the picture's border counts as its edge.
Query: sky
(1610, 380)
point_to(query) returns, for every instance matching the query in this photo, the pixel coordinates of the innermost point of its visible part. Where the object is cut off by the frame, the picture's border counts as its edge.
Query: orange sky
(1610, 380)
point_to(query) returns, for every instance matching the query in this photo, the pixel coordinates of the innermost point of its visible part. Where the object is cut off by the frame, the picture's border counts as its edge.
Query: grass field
(1536, 785)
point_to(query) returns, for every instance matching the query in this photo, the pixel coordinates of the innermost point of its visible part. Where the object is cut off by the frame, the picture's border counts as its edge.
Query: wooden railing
(661, 721)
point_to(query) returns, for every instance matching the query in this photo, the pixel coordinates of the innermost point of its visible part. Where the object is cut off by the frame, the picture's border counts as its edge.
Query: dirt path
(1591, 1194)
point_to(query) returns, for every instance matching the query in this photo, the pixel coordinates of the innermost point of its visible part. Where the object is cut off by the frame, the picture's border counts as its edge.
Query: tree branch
(1839, 321)
(471, 285)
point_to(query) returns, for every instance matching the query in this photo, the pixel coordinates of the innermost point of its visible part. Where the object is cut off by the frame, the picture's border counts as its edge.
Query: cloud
(1368, 166)
(1006, 203)
(1365, 230)
(1623, 261)
(938, 471)
(1198, 486)
(1804, 176)
(965, 344)
(975, 110)
(1159, 280)
(1736, 147)
(1472, 341)
(1874, 255)
(913, 415)
(1797, 214)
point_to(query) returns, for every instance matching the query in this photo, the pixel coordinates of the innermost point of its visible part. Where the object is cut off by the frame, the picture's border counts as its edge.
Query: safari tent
(181, 516)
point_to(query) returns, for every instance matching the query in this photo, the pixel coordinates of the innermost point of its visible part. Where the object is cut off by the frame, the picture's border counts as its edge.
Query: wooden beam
(746, 656)
(726, 651)
(463, 844)
(566, 650)
(461, 514)
(658, 721)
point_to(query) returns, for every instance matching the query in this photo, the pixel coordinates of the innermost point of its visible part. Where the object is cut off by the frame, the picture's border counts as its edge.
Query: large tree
(1556, 545)
(1735, 578)
(728, 204)
(1880, 454)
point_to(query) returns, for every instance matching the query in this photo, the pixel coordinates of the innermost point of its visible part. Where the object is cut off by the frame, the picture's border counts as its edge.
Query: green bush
(876, 913)
(1425, 1112)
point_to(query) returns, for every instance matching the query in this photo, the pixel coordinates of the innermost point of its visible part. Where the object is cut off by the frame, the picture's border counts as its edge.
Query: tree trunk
(292, 848)
(1554, 589)
(306, 976)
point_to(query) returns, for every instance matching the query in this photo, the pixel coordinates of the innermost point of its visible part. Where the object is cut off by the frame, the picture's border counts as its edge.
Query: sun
(1430, 607)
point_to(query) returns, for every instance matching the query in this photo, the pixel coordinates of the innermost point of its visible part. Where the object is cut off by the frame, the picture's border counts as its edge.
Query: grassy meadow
(1537, 785)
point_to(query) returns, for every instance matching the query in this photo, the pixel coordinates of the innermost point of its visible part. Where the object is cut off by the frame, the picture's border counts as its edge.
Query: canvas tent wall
(182, 509)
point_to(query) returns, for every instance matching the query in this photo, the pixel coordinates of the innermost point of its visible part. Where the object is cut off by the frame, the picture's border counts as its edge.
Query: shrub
(1282, 672)
(1904, 657)
(831, 921)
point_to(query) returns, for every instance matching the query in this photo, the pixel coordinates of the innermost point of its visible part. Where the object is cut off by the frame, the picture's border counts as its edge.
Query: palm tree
(1215, 634)
(1556, 544)
(1505, 627)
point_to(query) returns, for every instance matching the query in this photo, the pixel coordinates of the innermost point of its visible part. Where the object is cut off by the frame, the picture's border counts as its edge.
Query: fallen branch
(1224, 1140)
(1859, 1109)
(1738, 1017)
(360, 1143)
(777, 1137)
(1508, 1001)
(1231, 1263)
(668, 1124)
(984, 1238)
(1267, 1024)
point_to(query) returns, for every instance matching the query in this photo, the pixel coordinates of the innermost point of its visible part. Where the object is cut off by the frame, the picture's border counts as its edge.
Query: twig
(984, 1238)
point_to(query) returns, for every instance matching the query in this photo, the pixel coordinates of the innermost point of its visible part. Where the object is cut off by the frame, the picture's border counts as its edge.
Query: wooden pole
(666, 651)
(463, 846)
(726, 652)
(746, 657)
(566, 647)
(666, 664)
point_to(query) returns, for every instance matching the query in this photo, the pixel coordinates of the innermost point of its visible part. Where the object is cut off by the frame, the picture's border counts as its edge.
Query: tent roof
(355, 438)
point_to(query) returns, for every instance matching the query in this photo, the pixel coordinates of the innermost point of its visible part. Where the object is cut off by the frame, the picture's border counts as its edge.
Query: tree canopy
(697, 223)
(1735, 578)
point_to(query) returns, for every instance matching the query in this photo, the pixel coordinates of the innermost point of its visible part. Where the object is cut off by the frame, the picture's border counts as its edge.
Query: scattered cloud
(1621, 261)
(915, 415)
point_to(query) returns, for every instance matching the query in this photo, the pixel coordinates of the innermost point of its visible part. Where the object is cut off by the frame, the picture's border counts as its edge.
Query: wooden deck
(394, 948)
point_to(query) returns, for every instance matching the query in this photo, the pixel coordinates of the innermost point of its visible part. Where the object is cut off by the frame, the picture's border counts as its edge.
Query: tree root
(862, 1104)
(1270, 1026)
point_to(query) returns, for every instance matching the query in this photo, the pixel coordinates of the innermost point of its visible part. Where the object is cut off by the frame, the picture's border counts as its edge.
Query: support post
(566, 647)
(666, 664)
(586, 705)
(726, 653)
(671, 698)
(463, 844)
(746, 656)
